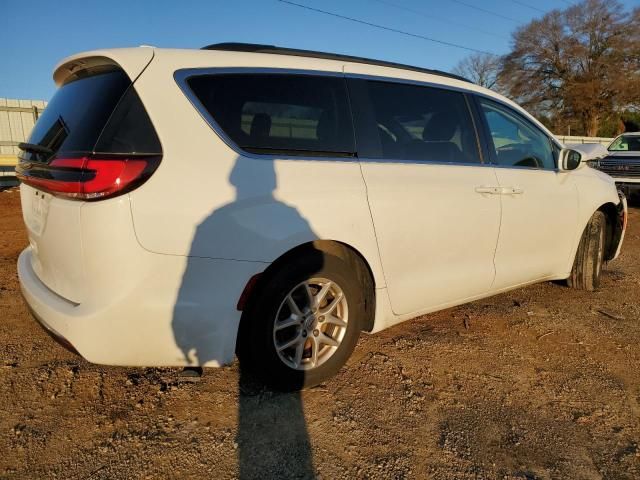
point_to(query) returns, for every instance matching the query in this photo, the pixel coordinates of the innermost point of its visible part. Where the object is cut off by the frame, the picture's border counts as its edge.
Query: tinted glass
(129, 129)
(626, 144)
(517, 143)
(293, 114)
(78, 112)
(420, 123)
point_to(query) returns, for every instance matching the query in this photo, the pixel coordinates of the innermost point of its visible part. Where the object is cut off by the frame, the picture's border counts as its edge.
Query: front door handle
(511, 191)
(499, 190)
(490, 190)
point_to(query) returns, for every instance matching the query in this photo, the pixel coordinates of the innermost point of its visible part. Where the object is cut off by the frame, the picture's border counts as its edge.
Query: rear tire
(587, 266)
(263, 329)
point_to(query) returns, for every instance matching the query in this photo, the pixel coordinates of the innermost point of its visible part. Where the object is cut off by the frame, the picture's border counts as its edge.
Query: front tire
(587, 266)
(304, 322)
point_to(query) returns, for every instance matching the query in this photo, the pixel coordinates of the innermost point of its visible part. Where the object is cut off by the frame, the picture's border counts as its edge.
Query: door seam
(373, 224)
(495, 250)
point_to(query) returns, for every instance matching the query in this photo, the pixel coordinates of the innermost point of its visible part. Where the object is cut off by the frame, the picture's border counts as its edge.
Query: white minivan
(183, 206)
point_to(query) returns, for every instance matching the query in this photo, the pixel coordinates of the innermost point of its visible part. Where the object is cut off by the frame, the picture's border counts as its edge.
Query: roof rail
(259, 48)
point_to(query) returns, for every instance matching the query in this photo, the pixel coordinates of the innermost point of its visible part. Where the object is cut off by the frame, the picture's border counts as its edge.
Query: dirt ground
(542, 382)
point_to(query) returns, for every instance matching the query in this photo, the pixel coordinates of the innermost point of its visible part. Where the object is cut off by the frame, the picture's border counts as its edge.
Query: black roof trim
(258, 48)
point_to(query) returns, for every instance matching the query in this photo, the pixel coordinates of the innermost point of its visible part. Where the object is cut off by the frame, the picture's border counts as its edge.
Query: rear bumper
(181, 312)
(43, 303)
(53, 334)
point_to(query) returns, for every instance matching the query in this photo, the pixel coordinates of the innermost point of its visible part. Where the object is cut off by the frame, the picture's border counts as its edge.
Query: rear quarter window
(279, 113)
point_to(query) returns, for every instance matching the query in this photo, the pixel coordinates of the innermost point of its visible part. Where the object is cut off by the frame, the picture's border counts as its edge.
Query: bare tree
(579, 65)
(480, 68)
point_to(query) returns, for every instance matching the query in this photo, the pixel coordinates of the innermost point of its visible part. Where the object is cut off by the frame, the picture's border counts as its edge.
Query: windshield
(626, 143)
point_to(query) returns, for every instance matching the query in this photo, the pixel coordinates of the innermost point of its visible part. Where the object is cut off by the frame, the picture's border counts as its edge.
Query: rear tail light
(88, 177)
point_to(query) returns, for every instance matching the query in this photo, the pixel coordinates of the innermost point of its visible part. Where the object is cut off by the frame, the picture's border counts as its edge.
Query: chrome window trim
(407, 81)
(392, 161)
(449, 164)
(182, 75)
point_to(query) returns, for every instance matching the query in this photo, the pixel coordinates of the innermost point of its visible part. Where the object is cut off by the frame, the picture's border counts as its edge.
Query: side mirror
(589, 151)
(569, 159)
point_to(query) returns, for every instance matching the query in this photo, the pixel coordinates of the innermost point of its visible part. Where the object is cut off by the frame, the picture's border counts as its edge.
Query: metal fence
(17, 118)
(572, 139)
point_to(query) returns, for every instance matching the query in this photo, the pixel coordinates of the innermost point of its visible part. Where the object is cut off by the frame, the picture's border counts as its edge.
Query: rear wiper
(35, 148)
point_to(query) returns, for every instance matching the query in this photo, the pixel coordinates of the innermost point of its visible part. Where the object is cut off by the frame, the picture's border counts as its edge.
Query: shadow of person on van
(272, 436)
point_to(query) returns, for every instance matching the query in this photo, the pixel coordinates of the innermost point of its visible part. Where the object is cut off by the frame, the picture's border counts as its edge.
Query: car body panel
(437, 235)
(526, 249)
(595, 190)
(54, 231)
(321, 196)
(141, 308)
(54, 225)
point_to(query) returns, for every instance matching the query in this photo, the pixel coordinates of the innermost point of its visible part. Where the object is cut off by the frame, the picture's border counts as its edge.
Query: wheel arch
(611, 215)
(332, 247)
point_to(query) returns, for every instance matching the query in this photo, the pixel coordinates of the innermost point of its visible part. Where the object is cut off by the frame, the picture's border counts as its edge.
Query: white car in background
(185, 205)
(590, 151)
(621, 160)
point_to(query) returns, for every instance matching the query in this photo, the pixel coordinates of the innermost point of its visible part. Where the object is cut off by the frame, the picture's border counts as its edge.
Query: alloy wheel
(310, 323)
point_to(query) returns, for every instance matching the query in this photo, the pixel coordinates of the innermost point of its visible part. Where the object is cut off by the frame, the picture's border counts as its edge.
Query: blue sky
(35, 35)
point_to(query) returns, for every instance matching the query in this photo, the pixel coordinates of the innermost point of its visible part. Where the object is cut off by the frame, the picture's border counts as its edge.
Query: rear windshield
(102, 110)
(291, 114)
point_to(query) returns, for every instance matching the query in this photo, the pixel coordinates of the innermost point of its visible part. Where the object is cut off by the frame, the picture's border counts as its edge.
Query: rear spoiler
(132, 60)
